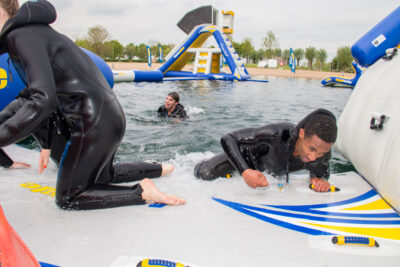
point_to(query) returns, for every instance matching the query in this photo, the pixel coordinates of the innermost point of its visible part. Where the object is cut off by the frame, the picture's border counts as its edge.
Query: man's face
(170, 103)
(310, 148)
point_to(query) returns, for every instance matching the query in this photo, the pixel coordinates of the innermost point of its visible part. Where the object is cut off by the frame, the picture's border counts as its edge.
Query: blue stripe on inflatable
(43, 264)
(242, 208)
(367, 195)
(314, 218)
(10, 88)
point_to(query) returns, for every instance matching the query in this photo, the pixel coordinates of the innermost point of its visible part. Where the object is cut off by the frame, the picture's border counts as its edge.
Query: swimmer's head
(171, 101)
(323, 126)
(316, 138)
(10, 7)
(174, 95)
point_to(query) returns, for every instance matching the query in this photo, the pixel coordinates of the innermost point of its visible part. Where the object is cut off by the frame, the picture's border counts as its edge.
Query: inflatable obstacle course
(200, 25)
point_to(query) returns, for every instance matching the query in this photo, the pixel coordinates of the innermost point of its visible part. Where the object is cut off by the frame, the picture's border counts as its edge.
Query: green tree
(129, 50)
(277, 52)
(117, 49)
(258, 55)
(247, 49)
(270, 42)
(322, 55)
(81, 42)
(141, 52)
(286, 56)
(299, 54)
(108, 52)
(344, 57)
(96, 37)
(238, 48)
(310, 55)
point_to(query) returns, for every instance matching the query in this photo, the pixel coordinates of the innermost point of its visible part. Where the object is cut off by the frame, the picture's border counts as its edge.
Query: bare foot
(152, 194)
(20, 165)
(166, 169)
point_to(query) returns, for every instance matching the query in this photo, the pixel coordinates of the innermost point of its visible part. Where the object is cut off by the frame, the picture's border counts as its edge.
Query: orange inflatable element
(13, 251)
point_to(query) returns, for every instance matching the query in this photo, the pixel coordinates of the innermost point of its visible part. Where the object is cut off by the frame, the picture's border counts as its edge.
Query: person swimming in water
(60, 76)
(277, 148)
(172, 108)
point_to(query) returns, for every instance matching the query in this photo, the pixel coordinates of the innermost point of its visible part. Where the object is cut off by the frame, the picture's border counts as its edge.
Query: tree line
(98, 40)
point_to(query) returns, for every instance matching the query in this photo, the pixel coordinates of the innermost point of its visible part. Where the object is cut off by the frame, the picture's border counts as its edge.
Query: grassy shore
(254, 72)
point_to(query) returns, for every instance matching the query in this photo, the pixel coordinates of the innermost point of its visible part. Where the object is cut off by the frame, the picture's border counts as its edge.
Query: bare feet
(152, 194)
(166, 169)
(20, 165)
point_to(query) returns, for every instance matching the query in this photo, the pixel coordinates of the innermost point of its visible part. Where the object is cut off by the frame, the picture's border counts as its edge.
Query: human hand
(320, 185)
(20, 165)
(44, 159)
(254, 178)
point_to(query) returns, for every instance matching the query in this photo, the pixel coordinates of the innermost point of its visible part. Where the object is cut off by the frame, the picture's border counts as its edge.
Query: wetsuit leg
(128, 172)
(217, 166)
(135, 171)
(85, 156)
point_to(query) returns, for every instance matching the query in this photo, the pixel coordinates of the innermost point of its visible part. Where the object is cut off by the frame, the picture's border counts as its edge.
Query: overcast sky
(295, 23)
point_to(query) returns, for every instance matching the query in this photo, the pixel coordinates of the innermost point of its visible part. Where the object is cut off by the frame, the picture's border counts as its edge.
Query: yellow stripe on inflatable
(388, 233)
(379, 204)
(37, 188)
(183, 59)
(3, 78)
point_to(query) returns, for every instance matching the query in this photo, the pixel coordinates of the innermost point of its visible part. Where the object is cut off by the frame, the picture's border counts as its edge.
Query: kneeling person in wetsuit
(60, 77)
(277, 148)
(172, 108)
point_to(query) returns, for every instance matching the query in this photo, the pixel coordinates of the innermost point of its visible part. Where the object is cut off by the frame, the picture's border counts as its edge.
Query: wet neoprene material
(179, 112)
(60, 76)
(267, 148)
(5, 160)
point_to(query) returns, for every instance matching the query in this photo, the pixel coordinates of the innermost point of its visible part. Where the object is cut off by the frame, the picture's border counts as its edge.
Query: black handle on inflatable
(377, 123)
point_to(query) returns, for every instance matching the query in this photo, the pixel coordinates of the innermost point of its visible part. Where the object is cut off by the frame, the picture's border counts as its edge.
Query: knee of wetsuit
(203, 171)
(62, 203)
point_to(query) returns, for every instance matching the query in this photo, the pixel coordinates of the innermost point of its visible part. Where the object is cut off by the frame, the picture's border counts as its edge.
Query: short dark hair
(323, 126)
(174, 95)
(10, 6)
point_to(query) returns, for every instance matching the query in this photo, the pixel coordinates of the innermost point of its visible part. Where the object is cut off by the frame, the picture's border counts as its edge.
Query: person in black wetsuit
(61, 77)
(172, 108)
(277, 148)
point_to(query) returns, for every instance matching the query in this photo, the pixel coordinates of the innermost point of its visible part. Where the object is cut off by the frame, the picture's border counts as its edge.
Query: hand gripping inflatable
(11, 83)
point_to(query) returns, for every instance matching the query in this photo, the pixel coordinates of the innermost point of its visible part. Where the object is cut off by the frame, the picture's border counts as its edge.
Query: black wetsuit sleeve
(39, 100)
(230, 146)
(44, 134)
(231, 143)
(5, 160)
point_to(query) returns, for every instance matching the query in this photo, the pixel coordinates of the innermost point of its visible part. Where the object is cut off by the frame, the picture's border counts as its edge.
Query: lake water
(216, 108)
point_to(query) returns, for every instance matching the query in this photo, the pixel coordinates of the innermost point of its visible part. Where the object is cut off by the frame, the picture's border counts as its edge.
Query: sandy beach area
(254, 72)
